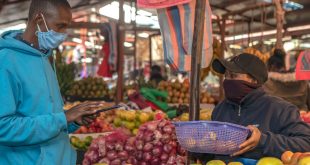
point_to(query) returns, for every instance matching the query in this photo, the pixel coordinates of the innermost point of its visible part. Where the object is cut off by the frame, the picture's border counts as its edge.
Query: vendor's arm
(294, 135)
(17, 130)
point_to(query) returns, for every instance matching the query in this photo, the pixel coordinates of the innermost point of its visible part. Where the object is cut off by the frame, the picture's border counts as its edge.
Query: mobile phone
(108, 109)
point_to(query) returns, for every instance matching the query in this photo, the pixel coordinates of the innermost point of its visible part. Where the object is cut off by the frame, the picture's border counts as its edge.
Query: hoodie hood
(8, 41)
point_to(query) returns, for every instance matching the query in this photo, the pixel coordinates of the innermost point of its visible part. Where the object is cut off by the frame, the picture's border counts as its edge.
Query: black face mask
(236, 90)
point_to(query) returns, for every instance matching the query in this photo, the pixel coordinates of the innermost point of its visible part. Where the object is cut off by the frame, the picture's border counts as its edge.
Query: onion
(123, 155)
(110, 146)
(148, 137)
(165, 138)
(172, 160)
(111, 155)
(151, 126)
(140, 136)
(104, 160)
(164, 157)
(167, 129)
(131, 141)
(155, 161)
(147, 156)
(139, 145)
(143, 163)
(132, 160)
(173, 144)
(161, 124)
(116, 162)
(167, 148)
(158, 144)
(181, 151)
(157, 151)
(129, 147)
(147, 147)
(119, 146)
(157, 134)
(139, 155)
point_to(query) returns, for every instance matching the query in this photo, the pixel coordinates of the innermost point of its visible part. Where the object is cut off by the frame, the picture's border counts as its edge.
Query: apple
(215, 162)
(269, 161)
(304, 159)
(83, 129)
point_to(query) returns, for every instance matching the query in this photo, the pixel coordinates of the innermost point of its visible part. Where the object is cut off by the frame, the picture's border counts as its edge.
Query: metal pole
(120, 66)
(135, 42)
(196, 61)
(150, 51)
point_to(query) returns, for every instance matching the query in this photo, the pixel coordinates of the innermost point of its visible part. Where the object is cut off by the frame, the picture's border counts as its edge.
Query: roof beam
(240, 14)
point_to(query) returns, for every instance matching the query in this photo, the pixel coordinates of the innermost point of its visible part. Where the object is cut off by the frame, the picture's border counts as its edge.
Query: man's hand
(83, 113)
(251, 143)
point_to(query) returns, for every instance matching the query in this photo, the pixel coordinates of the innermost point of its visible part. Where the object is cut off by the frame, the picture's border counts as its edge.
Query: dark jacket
(286, 86)
(278, 121)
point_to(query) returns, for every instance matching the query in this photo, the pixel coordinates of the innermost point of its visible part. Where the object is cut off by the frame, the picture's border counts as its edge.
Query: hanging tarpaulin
(303, 66)
(177, 28)
(157, 4)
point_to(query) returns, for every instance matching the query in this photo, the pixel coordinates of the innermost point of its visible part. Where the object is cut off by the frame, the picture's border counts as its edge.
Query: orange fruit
(295, 158)
(287, 156)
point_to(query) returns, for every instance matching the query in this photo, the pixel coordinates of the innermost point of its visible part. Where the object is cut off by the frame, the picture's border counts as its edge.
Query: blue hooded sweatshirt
(33, 126)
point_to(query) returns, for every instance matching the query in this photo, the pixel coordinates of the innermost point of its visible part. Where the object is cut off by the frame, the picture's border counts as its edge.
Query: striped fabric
(160, 3)
(177, 28)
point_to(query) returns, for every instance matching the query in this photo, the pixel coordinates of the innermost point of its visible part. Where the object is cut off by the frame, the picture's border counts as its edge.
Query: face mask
(50, 39)
(236, 90)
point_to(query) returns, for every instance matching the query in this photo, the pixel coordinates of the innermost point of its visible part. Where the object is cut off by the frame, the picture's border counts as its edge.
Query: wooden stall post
(280, 20)
(150, 51)
(196, 62)
(120, 64)
(135, 42)
(223, 47)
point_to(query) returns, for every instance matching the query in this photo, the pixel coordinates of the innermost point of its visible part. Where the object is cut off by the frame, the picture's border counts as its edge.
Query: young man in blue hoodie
(33, 125)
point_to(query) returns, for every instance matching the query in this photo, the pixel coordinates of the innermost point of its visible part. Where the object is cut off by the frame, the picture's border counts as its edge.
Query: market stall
(109, 58)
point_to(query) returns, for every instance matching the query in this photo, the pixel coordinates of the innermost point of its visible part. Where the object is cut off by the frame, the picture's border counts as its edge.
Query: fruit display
(65, 75)
(132, 119)
(154, 144)
(179, 92)
(305, 116)
(81, 144)
(205, 114)
(89, 88)
(263, 56)
(290, 158)
(97, 126)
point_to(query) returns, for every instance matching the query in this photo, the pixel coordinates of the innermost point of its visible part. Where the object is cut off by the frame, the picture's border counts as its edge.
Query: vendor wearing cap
(275, 124)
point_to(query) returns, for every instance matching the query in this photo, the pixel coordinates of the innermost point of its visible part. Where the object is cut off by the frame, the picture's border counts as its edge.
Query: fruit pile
(132, 119)
(97, 126)
(155, 144)
(290, 158)
(205, 114)
(89, 88)
(65, 76)
(305, 116)
(178, 93)
(81, 144)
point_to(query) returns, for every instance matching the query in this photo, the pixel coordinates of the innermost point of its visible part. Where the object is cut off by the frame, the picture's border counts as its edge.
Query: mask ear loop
(44, 22)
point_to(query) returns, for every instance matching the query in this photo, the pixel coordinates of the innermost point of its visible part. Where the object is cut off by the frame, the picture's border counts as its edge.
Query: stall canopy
(242, 15)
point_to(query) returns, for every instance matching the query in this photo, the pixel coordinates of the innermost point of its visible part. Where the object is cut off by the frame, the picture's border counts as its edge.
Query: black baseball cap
(243, 63)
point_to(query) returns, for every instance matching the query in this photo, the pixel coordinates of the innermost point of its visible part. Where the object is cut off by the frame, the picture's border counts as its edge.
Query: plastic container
(210, 136)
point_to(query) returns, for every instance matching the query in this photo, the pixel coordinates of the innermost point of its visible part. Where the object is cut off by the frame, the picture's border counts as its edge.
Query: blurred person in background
(282, 83)
(156, 74)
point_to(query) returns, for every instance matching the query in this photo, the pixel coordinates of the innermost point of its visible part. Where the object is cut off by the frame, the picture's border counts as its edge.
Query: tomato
(287, 156)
